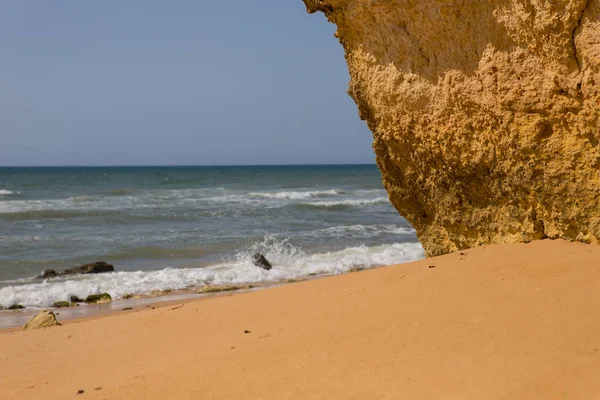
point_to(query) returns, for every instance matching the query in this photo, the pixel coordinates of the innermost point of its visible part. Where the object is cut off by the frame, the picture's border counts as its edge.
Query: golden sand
(519, 321)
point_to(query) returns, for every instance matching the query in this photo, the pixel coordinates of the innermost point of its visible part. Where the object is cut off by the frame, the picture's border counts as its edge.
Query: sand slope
(502, 322)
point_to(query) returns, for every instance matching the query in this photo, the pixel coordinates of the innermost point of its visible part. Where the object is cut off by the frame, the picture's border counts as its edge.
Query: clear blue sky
(165, 82)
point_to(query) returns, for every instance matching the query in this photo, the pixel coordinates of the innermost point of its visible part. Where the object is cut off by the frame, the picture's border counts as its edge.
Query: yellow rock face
(485, 114)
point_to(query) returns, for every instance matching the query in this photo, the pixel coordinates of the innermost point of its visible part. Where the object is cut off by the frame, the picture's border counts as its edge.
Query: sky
(185, 82)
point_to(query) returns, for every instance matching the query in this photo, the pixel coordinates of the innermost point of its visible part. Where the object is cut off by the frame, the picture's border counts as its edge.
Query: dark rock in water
(93, 268)
(49, 273)
(260, 261)
(98, 298)
(15, 307)
(75, 299)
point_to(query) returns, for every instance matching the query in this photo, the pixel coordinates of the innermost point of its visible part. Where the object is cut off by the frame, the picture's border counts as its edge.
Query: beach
(494, 322)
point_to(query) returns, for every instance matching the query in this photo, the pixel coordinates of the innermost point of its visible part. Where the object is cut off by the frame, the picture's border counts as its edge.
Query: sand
(499, 322)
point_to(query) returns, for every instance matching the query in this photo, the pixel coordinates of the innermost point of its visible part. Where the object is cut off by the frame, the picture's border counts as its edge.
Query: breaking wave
(365, 231)
(289, 262)
(296, 195)
(347, 203)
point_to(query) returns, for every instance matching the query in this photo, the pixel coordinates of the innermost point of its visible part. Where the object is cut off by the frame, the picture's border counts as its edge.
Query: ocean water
(182, 227)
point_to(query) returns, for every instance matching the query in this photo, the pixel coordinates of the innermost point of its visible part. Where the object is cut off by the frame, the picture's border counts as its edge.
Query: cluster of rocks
(47, 318)
(99, 267)
(74, 301)
(91, 299)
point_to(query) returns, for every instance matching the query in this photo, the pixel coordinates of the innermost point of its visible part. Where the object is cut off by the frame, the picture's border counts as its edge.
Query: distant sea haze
(180, 227)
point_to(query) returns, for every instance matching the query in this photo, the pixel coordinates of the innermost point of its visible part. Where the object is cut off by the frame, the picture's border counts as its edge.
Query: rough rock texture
(485, 114)
(43, 319)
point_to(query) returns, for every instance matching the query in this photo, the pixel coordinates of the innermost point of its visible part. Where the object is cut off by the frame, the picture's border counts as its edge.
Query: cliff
(485, 114)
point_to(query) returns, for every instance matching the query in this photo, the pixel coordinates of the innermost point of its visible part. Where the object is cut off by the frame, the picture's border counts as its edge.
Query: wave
(289, 262)
(121, 192)
(205, 199)
(364, 230)
(348, 203)
(296, 195)
(101, 204)
(4, 192)
(371, 191)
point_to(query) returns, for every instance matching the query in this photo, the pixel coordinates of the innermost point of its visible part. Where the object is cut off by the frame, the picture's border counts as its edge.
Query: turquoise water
(177, 227)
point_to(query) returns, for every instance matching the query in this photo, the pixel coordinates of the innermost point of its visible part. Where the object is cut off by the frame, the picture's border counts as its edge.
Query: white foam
(71, 203)
(349, 202)
(143, 200)
(364, 230)
(4, 192)
(288, 262)
(372, 191)
(296, 195)
(184, 197)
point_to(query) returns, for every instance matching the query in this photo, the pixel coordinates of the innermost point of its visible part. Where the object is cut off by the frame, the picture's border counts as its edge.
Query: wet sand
(497, 322)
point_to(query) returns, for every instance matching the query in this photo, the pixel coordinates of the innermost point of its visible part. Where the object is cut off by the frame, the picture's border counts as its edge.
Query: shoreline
(13, 320)
(503, 321)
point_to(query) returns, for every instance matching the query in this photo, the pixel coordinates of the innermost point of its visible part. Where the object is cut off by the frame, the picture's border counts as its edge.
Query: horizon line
(188, 165)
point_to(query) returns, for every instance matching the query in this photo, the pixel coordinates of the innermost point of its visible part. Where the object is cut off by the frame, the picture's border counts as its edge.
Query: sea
(176, 228)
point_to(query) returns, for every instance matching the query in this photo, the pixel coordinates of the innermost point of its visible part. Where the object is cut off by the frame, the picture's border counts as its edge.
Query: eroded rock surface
(485, 114)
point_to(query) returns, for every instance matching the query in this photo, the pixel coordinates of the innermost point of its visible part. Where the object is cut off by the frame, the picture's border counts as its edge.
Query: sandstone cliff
(485, 114)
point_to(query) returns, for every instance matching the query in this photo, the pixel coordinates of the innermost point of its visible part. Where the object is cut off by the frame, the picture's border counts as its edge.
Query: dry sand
(499, 322)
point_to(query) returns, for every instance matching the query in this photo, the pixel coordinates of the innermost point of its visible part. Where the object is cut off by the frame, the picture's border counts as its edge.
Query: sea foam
(348, 203)
(289, 262)
(366, 231)
(296, 195)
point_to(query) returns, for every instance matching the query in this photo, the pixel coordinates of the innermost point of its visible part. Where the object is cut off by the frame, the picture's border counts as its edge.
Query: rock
(93, 268)
(49, 273)
(485, 114)
(75, 299)
(15, 307)
(98, 298)
(261, 261)
(64, 304)
(43, 319)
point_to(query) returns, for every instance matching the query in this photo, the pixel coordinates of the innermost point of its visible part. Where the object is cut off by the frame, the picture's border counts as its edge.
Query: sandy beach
(496, 322)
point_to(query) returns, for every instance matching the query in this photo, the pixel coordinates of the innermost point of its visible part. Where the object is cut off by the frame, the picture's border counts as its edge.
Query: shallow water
(180, 227)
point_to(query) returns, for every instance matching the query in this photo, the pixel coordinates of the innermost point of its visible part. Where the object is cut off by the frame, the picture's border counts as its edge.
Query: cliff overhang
(485, 114)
